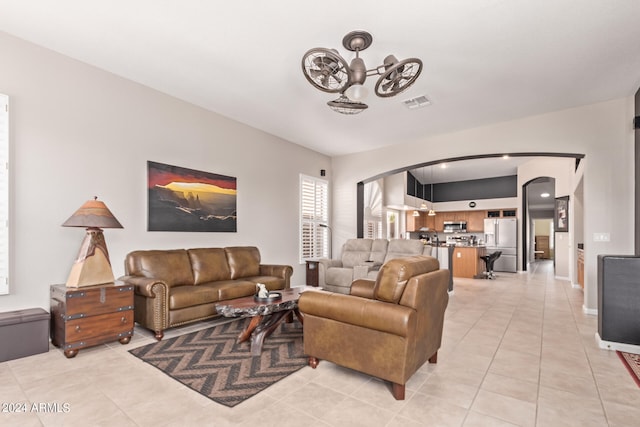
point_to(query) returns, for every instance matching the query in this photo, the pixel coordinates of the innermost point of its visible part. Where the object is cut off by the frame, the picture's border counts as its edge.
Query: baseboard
(610, 345)
(590, 311)
(576, 286)
(562, 278)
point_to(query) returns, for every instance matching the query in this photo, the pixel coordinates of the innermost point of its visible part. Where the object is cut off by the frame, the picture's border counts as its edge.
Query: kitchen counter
(467, 262)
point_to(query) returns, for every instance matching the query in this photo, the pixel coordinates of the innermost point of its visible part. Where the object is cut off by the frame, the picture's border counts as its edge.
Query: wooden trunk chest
(92, 315)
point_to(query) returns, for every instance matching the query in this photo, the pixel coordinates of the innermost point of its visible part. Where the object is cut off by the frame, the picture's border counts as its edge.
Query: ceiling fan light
(344, 105)
(357, 92)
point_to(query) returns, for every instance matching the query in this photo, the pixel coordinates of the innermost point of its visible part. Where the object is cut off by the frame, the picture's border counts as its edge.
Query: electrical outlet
(601, 237)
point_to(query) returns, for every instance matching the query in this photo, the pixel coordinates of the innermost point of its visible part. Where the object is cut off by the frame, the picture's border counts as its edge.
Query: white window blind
(314, 218)
(4, 194)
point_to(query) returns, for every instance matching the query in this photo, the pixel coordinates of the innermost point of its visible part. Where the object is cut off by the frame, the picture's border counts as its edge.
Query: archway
(532, 156)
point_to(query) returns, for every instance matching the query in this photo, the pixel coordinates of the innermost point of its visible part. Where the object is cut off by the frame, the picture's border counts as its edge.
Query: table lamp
(92, 267)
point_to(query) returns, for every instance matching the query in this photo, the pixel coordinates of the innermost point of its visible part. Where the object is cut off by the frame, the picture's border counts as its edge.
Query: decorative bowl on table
(271, 297)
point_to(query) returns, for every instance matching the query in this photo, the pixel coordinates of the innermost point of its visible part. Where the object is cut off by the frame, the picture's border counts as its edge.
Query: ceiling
(485, 61)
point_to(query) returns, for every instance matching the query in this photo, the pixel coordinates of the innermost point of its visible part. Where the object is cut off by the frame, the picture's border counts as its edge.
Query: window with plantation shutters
(4, 194)
(314, 218)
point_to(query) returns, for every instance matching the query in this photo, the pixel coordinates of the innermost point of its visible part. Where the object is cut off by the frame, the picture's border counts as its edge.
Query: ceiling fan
(329, 72)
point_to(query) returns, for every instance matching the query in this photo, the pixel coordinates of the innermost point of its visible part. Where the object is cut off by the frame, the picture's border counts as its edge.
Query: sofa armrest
(361, 271)
(328, 263)
(284, 271)
(323, 265)
(371, 314)
(363, 288)
(145, 286)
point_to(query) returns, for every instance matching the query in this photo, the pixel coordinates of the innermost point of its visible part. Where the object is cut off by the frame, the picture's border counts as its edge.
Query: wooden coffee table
(265, 316)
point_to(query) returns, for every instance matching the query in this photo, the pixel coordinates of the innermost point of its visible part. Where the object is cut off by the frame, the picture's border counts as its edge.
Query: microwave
(455, 227)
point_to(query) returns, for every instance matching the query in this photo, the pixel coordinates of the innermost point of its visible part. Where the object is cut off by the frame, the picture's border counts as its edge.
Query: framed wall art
(561, 217)
(182, 199)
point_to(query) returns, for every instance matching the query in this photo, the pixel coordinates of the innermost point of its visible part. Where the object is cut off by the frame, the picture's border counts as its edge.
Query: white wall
(602, 132)
(79, 132)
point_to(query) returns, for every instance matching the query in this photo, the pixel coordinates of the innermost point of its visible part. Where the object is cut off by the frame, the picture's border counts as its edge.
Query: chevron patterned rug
(213, 364)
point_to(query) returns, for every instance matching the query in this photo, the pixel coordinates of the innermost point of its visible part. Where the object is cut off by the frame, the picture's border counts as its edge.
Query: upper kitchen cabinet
(430, 222)
(414, 223)
(501, 213)
(475, 221)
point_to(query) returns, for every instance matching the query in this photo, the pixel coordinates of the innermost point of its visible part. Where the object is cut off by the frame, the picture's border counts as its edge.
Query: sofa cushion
(243, 261)
(209, 265)
(394, 274)
(400, 248)
(379, 249)
(230, 289)
(189, 296)
(356, 252)
(171, 266)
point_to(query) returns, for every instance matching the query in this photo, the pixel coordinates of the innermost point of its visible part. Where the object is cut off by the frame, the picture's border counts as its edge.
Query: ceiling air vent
(417, 102)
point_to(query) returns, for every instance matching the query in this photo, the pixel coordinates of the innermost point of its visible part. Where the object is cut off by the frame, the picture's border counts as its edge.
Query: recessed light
(545, 195)
(506, 156)
(443, 165)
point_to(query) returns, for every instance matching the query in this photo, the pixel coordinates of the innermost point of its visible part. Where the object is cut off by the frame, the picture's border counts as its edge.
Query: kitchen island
(467, 262)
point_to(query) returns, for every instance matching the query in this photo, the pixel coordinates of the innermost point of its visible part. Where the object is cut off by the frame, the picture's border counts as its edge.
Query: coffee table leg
(299, 315)
(264, 330)
(246, 333)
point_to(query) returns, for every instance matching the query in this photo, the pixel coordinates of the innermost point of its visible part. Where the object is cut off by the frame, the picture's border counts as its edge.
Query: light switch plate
(601, 237)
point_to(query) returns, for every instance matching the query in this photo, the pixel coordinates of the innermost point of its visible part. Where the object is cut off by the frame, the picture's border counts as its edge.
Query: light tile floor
(517, 351)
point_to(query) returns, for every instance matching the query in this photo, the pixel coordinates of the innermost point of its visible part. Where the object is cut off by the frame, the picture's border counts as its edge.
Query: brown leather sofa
(387, 328)
(180, 286)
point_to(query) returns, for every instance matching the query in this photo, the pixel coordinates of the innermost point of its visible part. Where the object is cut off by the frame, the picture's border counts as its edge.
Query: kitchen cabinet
(460, 216)
(501, 213)
(475, 221)
(473, 218)
(467, 262)
(430, 222)
(447, 216)
(415, 223)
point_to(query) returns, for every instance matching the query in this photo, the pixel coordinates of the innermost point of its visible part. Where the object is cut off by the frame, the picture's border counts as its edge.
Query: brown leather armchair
(388, 328)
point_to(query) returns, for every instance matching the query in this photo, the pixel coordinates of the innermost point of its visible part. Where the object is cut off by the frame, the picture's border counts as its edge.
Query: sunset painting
(182, 199)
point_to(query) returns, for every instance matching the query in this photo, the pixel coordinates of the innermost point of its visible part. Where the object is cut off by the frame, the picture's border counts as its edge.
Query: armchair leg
(398, 391)
(313, 362)
(159, 335)
(434, 358)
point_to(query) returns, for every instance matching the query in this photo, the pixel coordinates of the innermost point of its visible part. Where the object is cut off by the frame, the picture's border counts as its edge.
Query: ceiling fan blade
(326, 70)
(391, 83)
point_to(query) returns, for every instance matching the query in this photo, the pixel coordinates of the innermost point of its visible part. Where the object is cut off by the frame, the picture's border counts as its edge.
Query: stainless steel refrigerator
(501, 234)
